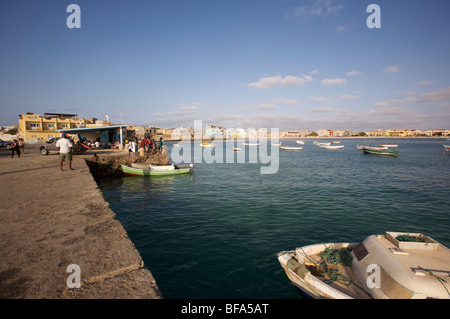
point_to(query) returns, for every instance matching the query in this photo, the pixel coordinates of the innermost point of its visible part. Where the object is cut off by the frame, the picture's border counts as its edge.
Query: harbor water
(215, 233)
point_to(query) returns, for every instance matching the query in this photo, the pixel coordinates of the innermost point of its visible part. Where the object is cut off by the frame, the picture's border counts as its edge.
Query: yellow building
(400, 133)
(35, 127)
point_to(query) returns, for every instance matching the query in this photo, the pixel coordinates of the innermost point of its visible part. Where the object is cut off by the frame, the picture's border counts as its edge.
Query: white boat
(236, 149)
(321, 143)
(250, 144)
(276, 144)
(390, 266)
(332, 147)
(361, 147)
(300, 142)
(291, 148)
(336, 142)
(388, 145)
(207, 144)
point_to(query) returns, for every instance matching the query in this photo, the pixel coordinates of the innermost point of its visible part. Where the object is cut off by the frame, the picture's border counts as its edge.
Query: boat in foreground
(371, 150)
(390, 266)
(160, 170)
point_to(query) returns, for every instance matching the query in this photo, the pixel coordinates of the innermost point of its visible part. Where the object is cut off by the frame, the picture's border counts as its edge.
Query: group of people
(149, 145)
(18, 147)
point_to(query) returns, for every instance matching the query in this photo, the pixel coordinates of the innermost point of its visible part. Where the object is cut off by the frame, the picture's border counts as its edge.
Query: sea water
(215, 233)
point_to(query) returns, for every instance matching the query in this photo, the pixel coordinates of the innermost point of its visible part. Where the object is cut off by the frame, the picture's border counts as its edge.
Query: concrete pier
(50, 219)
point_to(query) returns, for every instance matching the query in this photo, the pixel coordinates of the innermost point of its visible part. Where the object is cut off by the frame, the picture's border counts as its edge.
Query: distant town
(34, 128)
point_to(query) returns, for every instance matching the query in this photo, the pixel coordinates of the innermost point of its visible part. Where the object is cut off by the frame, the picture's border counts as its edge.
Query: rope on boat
(334, 257)
(442, 281)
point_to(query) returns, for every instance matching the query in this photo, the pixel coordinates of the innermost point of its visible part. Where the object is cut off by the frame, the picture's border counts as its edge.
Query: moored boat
(361, 147)
(300, 142)
(390, 266)
(389, 145)
(159, 170)
(322, 143)
(291, 148)
(332, 147)
(384, 152)
(250, 144)
(207, 144)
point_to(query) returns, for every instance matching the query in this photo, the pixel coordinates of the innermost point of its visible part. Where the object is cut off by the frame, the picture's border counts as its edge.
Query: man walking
(65, 151)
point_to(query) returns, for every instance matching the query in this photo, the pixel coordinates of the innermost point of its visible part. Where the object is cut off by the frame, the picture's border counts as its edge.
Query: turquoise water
(214, 233)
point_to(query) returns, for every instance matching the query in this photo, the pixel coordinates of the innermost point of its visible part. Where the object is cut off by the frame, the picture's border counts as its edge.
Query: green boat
(157, 171)
(380, 152)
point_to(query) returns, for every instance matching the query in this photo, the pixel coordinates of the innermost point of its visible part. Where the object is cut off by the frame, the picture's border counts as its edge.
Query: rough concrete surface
(50, 219)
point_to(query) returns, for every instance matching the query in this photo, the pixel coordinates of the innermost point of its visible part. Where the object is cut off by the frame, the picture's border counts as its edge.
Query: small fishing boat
(207, 144)
(336, 142)
(322, 143)
(367, 150)
(332, 147)
(360, 147)
(390, 266)
(291, 148)
(300, 142)
(236, 149)
(276, 144)
(250, 144)
(158, 170)
(389, 145)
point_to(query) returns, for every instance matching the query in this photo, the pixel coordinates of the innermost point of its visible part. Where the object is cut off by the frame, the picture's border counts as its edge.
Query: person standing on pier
(65, 151)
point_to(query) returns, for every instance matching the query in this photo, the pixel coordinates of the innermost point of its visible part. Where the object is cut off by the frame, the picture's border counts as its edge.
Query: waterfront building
(397, 133)
(376, 133)
(34, 127)
(325, 133)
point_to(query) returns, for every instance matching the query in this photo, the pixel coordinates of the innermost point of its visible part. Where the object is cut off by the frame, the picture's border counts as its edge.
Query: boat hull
(289, 148)
(132, 171)
(381, 267)
(380, 152)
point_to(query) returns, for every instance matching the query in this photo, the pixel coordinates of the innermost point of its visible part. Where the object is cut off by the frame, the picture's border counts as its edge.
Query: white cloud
(406, 92)
(290, 102)
(320, 99)
(334, 81)
(315, 71)
(348, 97)
(424, 82)
(273, 81)
(391, 103)
(392, 69)
(354, 73)
(317, 8)
(436, 96)
(266, 106)
(324, 110)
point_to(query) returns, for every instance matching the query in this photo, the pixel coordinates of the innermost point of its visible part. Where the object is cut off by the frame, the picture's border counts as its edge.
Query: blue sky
(287, 64)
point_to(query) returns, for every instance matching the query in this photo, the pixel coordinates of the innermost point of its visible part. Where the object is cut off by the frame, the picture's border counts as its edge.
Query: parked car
(50, 146)
(5, 144)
